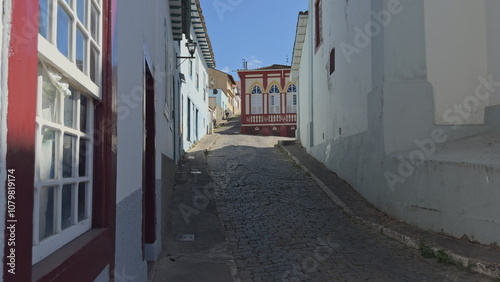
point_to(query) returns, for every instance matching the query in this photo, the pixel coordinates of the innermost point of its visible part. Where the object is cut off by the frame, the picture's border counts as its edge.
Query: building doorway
(148, 166)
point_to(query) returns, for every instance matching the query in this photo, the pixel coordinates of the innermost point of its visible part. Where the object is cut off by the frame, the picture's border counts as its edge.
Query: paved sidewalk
(478, 258)
(193, 212)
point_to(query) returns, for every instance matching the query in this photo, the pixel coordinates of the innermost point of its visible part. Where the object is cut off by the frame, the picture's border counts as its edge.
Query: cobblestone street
(282, 227)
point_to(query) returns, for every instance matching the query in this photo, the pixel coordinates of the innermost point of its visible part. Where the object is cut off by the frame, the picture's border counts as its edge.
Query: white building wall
(304, 97)
(144, 34)
(197, 96)
(376, 113)
(4, 56)
(453, 43)
(493, 37)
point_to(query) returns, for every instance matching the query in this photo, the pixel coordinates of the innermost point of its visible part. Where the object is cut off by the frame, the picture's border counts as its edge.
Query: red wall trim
(22, 87)
(91, 255)
(243, 96)
(83, 259)
(105, 157)
(247, 128)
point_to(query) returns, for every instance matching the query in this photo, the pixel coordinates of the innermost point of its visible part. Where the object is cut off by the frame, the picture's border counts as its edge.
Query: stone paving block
(288, 229)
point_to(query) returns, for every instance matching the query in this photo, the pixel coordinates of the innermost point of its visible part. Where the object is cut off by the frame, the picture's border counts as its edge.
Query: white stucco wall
(195, 95)
(136, 42)
(407, 96)
(143, 35)
(130, 88)
(493, 37)
(303, 85)
(453, 190)
(340, 97)
(4, 55)
(457, 53)
(347, 88)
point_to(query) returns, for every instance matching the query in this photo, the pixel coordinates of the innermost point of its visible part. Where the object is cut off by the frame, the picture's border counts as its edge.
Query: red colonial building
(269, 101)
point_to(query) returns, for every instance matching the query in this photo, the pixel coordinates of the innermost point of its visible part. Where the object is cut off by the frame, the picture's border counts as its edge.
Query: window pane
(94, 58)
(48, 154)
(82, 201)
(46, 213)
(49, 99)
(94, 22)
(257, 104)
(81, 8)
(69, 110)
(82, 163)
(81, 47)
(66, 206)
(43, 18)
(63, 31)
(83, 114)
(68, 155)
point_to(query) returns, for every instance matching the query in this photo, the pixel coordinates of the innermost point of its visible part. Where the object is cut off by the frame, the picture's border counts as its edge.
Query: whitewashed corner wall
(195, 95)
(369, 114)
(144, 34)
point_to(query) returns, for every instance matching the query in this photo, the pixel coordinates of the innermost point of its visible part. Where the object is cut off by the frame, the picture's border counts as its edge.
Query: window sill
(85, 257)
(49, 53)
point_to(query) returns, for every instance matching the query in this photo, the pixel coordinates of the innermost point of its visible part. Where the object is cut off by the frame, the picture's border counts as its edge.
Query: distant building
(221, 93)
(194, 91)
(268, 101)
(237, 98)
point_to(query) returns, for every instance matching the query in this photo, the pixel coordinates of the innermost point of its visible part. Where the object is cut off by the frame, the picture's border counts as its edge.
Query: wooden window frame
(318, 20)
(292, 98)
(43, 248)
(88, 255)
(332, 61)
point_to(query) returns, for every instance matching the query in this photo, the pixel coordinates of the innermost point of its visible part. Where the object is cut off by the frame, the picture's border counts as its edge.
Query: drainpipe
(310, 54)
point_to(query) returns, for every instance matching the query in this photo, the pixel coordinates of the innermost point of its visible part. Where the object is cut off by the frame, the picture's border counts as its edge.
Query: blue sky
(259, 31)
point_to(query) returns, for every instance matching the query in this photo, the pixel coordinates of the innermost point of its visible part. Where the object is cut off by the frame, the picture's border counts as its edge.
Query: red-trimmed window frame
(332, 61)
(86, 257)
(318, 24)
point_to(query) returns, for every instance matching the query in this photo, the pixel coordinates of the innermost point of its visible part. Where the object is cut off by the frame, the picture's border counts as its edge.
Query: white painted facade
(195, 114)
(142, 37)
(236, 101)
(465, 47)
(406, 117)
(145, 41)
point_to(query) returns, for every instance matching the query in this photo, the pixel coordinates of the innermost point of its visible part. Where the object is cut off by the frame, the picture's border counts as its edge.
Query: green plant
(425, 250)
(444, 257)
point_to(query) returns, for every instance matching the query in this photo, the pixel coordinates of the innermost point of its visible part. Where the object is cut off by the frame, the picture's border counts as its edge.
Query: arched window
(274, 99)
(256, 100)
(274, 89)
(291, 99)
(256, 90)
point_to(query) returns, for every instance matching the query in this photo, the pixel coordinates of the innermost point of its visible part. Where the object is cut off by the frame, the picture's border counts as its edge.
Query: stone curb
(196, 147)
(490, 269)
(209, 147)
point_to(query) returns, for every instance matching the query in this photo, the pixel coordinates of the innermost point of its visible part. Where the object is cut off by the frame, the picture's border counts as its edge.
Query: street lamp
(191, 46)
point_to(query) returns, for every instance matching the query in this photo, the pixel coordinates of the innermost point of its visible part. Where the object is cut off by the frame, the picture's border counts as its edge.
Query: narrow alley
(231, 140)
(280, 225)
